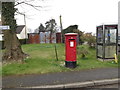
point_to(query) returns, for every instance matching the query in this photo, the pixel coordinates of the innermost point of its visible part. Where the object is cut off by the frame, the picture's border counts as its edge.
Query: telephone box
(107, 41)
(70, 41)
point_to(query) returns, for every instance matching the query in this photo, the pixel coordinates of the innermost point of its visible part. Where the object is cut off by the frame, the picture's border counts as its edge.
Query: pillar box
(70, 42)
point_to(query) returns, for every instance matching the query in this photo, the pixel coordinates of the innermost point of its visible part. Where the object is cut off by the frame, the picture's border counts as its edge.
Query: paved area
(59, 78)
(107, 86)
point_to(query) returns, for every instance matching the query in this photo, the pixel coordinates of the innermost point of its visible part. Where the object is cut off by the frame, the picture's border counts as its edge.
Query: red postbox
(70, 41)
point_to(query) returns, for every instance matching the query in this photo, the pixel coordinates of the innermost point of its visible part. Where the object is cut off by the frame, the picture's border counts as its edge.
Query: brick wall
(34, 38)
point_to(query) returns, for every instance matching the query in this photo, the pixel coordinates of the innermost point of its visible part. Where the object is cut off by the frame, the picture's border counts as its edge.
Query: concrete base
(77, 85)
(70, 64)
(105, 59)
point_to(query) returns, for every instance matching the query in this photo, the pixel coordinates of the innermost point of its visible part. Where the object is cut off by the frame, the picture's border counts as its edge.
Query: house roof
(19, 28)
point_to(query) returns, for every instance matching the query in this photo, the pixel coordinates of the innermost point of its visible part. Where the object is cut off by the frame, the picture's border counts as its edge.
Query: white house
(21, 32)
(1, 34)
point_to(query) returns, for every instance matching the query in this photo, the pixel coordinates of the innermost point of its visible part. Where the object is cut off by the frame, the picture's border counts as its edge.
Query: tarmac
(72, 79)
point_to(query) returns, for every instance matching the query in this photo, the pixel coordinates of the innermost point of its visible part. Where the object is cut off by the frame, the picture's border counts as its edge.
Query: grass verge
(42, 60)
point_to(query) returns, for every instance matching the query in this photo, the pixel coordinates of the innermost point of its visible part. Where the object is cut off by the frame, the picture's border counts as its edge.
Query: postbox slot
(71, 39)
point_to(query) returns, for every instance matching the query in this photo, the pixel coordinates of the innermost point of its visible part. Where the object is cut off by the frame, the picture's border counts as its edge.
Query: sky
(87, 14)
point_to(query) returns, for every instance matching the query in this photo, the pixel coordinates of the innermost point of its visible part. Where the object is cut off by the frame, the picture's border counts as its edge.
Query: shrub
(82, 51)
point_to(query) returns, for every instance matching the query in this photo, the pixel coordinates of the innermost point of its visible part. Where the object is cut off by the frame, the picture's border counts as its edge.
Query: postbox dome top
(71, 34)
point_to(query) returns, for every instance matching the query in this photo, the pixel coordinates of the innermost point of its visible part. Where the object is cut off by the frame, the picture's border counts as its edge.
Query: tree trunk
(13, 51)
(45, 37)
(50, 37)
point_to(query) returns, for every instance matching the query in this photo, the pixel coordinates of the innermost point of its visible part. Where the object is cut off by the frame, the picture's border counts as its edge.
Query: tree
(89, 38)
(13, 49)
(83, 51)
(72, 29)
(50, 26)
(92, 41)
(79, 35)
(41, 28)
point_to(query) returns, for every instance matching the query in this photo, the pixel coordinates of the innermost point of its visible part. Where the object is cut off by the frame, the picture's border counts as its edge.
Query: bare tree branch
(32, 5)
(18, 3)
(19, 12)
(26, 16)
(35, 7)
(27, 4)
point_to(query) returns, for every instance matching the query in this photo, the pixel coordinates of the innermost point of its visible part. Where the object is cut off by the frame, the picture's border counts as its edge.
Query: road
(59, 78)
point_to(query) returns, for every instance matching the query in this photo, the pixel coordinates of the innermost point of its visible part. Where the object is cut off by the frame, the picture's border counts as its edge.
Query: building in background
(33, 38)
(44, 36)
(20, 32)
(41, 37)
(58, 37)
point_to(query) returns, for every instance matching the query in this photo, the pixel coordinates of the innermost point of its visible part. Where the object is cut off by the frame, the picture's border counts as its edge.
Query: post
(119, 27)
(103, 56)
(61, 23)
(25, 29)
(61, 27)
(56, 53)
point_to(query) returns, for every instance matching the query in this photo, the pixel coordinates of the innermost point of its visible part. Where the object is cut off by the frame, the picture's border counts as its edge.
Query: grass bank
(42, 60)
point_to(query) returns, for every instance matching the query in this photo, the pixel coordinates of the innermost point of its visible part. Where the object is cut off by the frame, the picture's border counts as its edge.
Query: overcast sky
(87, 14)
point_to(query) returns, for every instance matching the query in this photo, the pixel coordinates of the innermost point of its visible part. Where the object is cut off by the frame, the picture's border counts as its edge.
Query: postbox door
(72, 50)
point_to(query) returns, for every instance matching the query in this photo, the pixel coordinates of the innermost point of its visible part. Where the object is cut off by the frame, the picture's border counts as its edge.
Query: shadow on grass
(84, 58)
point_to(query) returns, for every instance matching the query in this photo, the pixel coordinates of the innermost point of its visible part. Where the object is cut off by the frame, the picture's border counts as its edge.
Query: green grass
(42, 60)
